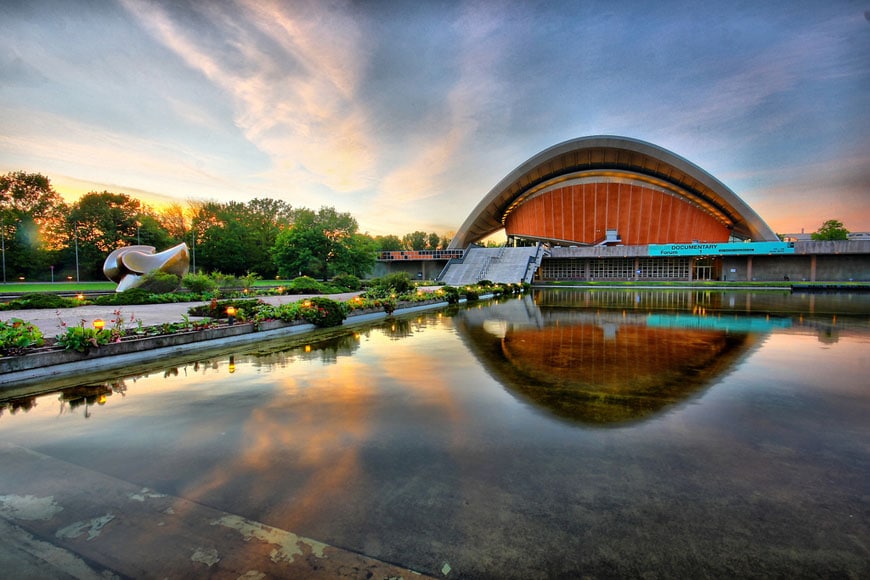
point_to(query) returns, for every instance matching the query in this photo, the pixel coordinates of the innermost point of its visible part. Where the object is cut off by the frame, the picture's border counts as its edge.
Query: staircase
(504, 265)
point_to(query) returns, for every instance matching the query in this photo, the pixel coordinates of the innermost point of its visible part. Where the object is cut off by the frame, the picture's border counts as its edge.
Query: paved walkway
(51, 320)
(60, 520)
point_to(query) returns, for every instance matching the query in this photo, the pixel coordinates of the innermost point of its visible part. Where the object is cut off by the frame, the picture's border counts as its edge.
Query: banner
(729, 249)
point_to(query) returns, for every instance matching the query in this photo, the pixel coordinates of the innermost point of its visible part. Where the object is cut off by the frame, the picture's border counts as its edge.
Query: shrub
(322, 312)
(245, 308)
(248, 280)
(471, 294)
(132, 296)
(158, 282)
(389, 285)
(348, 281)
(452, 294)
(485, 283)
(39, 300)
(285, 312)
(18, 334)
(224, 281)
(81, 338)
(399, 281)
(198, 283)
(305, 285)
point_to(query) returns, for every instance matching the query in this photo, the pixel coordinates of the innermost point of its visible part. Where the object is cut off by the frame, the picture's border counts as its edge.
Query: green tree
(100, 222)
(172, 219)
(322, 244)
(415, 240)
(361, 256)
(390, 243)
(31, 224)
(236, 238)
(831, 230)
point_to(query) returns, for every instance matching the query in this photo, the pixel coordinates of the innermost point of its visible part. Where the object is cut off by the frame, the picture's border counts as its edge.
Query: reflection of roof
(601, 368)
(612, 156)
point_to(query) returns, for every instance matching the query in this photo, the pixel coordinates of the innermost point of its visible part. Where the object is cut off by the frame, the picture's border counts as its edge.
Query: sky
(407, 113)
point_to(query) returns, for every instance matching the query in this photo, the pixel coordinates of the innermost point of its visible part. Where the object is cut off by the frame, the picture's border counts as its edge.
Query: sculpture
(127, 266)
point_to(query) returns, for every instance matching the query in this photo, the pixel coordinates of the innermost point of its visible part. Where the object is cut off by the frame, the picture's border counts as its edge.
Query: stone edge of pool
(37, 368)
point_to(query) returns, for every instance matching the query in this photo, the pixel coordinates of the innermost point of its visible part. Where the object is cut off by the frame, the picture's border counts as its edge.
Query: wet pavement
(59, 520)
(51, 321)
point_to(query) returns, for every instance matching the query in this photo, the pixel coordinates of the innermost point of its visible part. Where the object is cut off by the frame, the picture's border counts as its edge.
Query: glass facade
(615, 268)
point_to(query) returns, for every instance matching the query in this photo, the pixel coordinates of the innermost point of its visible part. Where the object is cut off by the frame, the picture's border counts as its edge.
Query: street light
(76, 238)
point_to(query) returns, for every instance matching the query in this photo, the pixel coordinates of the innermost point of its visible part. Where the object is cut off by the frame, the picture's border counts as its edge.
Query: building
(614, 208)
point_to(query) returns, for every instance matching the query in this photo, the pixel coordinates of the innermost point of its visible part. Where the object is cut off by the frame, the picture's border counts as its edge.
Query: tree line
(45, 238)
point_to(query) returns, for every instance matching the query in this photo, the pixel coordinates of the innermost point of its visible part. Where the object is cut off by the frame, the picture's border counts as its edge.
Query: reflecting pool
(565, 433)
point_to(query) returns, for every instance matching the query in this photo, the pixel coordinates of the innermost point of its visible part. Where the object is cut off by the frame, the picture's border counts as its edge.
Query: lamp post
(3, 230)
(76, 238)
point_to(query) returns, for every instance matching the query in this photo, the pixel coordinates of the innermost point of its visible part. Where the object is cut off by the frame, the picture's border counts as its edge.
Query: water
(599, 433)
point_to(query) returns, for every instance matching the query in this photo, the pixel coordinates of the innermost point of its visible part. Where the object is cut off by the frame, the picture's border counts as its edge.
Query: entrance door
(703, 269)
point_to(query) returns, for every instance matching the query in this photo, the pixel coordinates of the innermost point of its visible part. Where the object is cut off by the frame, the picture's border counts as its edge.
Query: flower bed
(26, 349)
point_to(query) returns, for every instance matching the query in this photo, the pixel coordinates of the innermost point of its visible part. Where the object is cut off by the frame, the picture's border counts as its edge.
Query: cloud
(98, 155)
(475, 100)
(292, 76)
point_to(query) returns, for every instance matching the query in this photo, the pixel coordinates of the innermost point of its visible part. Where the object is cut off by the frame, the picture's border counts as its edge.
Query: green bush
(472, 294)
(452, 294)
(18, 334)
(127, 297)
(399, 281)
(389, 286)
(285, 312)
(224, 281)
(305, 285)
(322, 312)
(39, 300)
(198, 283)
(485, 283)
(347, 281)
(246, 308)
(248, 280)
(82, 338)
(158, 282)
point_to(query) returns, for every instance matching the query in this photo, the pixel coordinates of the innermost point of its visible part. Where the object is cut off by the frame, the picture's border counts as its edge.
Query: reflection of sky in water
(399, 443)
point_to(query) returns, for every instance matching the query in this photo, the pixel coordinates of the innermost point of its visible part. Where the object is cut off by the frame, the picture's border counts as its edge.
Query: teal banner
(730, 249)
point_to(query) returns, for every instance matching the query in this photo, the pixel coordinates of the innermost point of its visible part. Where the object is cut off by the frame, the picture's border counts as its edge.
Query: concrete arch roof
(609, 154)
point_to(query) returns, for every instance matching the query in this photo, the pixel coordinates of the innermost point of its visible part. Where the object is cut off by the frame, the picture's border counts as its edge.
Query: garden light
(99, 324)
(231, 315)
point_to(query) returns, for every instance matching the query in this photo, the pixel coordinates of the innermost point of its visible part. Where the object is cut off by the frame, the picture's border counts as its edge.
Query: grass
(91, 286)
(57, 287)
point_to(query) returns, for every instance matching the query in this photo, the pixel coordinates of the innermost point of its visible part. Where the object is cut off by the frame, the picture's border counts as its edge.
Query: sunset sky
(407, 113)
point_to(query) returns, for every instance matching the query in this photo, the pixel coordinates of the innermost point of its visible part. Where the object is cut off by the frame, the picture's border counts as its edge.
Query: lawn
(71, 287)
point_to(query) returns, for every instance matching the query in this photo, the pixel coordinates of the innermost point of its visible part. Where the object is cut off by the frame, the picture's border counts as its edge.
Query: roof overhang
(612, 155)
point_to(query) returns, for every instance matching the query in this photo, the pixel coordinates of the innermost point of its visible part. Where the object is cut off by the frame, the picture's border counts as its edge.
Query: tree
(237, 238)
(100, 223)
(433, 241)
(31, 223)
(173, 220)
(831, 230)
(361, 256)
(390, 243)
(415, 240)
(321, 244)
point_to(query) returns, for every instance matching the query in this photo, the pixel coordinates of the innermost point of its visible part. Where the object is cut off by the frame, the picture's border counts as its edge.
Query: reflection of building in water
(603, 368)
